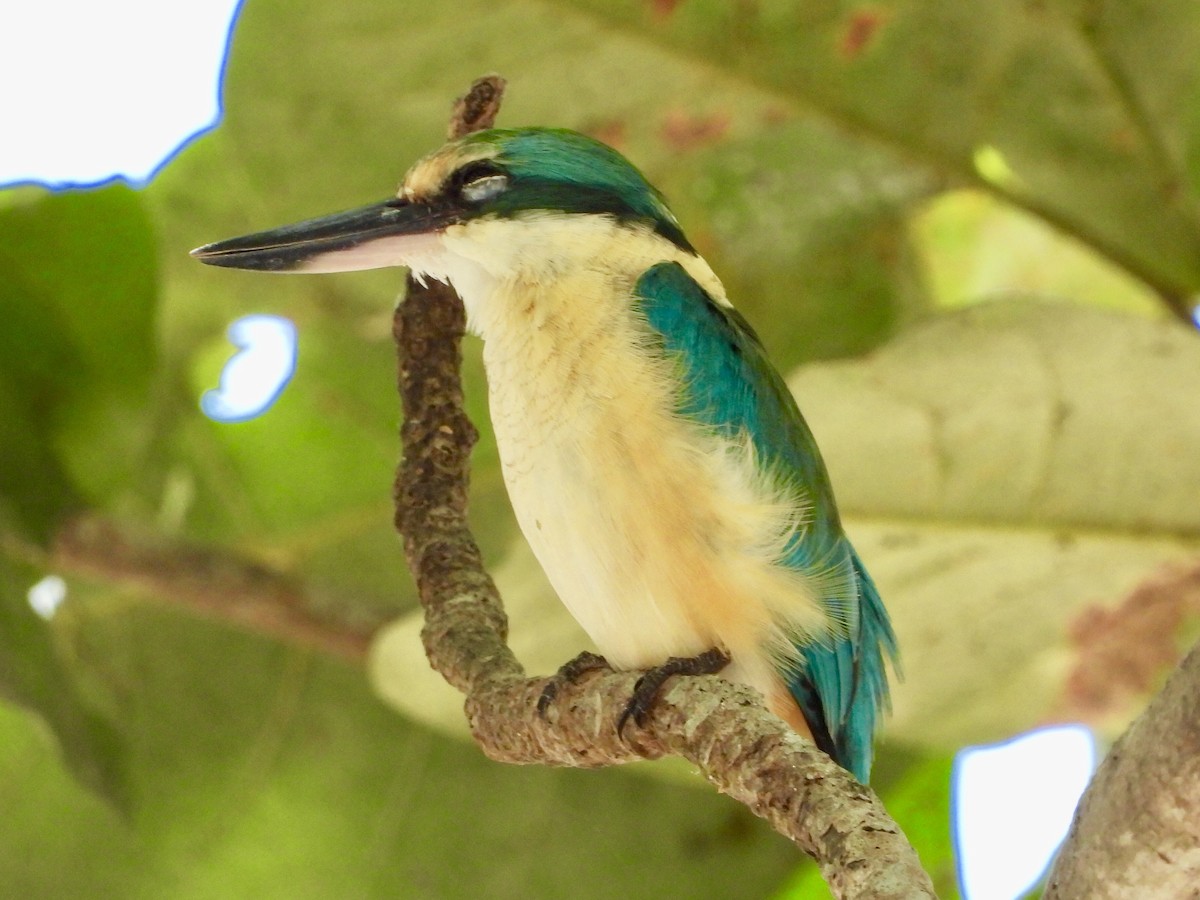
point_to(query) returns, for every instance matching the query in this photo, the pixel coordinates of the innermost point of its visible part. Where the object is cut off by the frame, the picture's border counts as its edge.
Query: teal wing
(841, 684)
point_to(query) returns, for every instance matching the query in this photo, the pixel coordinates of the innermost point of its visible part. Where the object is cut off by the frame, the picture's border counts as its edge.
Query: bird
(655, 459)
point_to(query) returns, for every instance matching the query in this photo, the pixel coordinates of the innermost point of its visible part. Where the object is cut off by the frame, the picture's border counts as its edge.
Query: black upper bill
(289, 247)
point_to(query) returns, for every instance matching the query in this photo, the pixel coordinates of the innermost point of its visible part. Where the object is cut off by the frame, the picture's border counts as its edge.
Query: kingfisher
(655, 459)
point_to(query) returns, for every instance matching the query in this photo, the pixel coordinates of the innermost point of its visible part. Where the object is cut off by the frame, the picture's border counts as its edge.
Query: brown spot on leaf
(776, 115)
(610, 131)
(682, 131)
(706, 241)
(1123, 139)
(662, 9)
(862, 28)
(1122, 653)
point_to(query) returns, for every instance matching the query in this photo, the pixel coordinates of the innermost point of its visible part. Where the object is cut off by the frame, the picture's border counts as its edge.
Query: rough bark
(1136, 833)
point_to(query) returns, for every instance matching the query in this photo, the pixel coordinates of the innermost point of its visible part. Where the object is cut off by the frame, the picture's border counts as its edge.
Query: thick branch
(1136, 832)
(720, 727)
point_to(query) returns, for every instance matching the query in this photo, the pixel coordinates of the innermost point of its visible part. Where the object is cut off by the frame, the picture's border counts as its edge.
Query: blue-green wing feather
(730, 386)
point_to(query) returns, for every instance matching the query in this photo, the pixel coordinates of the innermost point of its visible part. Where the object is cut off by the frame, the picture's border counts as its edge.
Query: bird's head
(480, 206)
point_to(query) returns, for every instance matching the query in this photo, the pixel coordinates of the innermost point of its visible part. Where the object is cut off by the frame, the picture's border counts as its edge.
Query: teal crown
(564, 171)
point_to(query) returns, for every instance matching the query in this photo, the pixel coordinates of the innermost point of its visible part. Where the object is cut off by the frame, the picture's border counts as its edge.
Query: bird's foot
(646, 691)
(569, 673)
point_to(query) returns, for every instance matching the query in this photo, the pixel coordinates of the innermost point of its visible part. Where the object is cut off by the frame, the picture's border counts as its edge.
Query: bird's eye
(480, 183)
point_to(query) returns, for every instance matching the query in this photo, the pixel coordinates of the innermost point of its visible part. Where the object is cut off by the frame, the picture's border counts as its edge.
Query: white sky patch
(256, 375)
(47, 596)
(97, 90)
(1013, 804)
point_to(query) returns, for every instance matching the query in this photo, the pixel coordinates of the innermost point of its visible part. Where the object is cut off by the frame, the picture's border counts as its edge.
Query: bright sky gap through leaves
(257, 374)
(1012, 807)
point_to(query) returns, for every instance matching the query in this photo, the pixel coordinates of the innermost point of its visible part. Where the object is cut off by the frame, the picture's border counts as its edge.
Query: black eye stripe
(473, 172)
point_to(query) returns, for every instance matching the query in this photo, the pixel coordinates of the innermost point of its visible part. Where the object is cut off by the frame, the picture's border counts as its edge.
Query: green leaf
(35, 491)
(78, 290)
(810, 235)
(1002, 472)
(34, 674)
(976, 248)
(1078, 111)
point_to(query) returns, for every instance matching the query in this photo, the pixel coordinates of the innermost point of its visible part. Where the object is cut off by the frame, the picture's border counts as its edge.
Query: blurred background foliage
(971, 231)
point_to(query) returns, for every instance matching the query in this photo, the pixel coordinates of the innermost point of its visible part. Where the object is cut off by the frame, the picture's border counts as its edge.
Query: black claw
(647, 688)
(569, 673)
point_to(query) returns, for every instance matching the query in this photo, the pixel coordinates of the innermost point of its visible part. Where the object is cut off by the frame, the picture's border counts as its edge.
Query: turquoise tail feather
(842, 686)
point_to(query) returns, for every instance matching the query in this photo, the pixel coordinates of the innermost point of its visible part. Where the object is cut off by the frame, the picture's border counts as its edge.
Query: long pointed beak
(385, 234)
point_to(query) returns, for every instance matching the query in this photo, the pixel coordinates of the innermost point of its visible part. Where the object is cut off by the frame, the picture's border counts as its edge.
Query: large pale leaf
(1002, 471)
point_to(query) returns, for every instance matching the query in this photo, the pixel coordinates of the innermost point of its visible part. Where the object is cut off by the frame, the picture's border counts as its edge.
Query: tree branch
(720, 727)
(215, 584)
(1136, 832)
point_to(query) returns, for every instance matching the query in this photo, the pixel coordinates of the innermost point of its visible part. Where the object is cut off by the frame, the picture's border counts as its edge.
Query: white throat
(501, 266)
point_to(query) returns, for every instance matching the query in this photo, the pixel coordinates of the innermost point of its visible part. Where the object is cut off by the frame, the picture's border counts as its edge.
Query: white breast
(661, 538)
